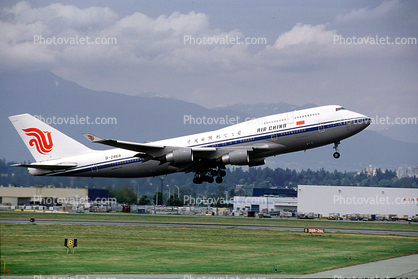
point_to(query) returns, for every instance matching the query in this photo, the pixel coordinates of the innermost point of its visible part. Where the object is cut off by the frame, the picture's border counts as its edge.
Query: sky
(359, 54)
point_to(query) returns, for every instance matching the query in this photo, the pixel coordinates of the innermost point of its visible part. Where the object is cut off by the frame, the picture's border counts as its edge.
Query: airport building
(308, 199)
(49, 196)
(361, 200)
(265, 199)
(326, 200)
(260, 204)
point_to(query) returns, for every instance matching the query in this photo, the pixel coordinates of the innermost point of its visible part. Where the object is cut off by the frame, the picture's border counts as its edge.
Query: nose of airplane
(361, 119)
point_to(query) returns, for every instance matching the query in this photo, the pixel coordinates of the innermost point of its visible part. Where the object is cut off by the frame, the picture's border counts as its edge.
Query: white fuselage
(270, 135)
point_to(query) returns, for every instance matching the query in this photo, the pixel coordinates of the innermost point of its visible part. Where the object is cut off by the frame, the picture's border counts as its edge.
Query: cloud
(138, 38)
(305, 34)
(367, 14)
(68, 16)
(150, 54)
(159, 43)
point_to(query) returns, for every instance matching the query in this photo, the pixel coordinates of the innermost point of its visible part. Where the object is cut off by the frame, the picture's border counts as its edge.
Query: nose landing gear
(336, 154)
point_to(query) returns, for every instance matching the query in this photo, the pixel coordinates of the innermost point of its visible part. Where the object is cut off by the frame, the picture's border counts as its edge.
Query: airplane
(205, 154)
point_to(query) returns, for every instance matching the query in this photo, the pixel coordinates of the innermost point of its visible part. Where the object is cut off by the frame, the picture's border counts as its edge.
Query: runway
(144, 224)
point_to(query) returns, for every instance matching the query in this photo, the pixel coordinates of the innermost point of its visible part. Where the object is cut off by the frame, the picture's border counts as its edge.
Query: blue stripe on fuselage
(284, 132)
(223, 143)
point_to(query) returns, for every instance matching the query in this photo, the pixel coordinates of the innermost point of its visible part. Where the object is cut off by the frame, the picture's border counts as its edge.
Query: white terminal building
(265, 199)
(324, 200)
(267, 203)
(363, 200)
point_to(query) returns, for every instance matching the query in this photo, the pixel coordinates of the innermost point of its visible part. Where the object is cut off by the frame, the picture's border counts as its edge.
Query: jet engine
(180, 156)
(257, 162)
(35, 171)
(238, 157)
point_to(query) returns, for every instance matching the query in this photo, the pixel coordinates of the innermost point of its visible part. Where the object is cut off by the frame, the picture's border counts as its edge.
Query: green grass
(218, 220)
(39, 249)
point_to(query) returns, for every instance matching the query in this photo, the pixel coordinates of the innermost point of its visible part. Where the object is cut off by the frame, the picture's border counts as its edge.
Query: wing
(133, 146)
(191, 159)
(150, 151)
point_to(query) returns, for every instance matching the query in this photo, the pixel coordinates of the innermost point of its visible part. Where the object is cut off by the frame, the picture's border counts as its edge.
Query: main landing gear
(336, 154)
(209, 176)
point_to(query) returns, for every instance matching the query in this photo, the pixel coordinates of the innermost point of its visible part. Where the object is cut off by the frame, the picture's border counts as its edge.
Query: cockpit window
(340, 108)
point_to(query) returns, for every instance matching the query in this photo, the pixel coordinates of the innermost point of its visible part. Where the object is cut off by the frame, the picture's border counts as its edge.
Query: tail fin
(43, 141)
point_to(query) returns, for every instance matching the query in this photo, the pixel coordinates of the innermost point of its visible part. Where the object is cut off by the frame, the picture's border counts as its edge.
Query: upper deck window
(340, 108)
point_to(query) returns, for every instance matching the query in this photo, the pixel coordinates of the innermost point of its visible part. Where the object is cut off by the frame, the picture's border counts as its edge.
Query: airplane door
(289, 117)
(321, 129)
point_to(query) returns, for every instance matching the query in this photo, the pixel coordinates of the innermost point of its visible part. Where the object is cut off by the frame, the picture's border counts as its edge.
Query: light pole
(162, 180)
(156, 201)
(267, 183)
(137, 192)
(178, 191)
(169, 192)
(267, 202)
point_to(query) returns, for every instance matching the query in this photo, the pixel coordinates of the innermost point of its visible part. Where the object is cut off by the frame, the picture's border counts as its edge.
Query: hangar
(338, 200)
(49, 196)
(362, 200)
(266, 199)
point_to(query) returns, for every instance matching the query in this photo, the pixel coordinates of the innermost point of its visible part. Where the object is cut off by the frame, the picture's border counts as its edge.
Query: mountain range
(149, 116)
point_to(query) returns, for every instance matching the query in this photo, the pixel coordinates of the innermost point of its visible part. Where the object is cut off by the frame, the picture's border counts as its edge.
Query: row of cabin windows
(307, 115)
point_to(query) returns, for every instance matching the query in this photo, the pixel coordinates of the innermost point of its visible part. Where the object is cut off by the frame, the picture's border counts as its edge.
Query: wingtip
(92, 137)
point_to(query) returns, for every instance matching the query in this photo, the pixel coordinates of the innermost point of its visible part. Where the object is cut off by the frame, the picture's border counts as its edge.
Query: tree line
(238, 181)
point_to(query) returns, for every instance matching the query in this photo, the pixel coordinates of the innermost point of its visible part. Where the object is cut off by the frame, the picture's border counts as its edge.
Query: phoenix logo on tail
(42, 144)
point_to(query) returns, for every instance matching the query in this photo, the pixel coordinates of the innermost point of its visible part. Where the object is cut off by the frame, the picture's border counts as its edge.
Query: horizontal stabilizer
(47, 166)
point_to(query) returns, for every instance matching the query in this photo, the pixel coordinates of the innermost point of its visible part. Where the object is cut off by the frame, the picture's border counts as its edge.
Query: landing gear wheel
(336, 154)
(218, 180)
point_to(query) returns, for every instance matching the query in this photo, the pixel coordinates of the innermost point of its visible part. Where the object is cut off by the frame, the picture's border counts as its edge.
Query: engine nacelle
(238, 157)
(180, 156)
(257, 162)
(36, 172)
